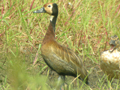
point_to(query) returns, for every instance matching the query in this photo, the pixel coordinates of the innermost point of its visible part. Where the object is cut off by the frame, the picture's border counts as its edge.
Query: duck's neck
(118, 48)
(50, 34)
(53, 21)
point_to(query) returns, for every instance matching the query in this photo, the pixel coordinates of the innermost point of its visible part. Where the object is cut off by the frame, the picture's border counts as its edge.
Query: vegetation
(85, 26)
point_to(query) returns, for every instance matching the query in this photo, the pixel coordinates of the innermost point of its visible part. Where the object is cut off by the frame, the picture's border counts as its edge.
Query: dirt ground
(97, 79)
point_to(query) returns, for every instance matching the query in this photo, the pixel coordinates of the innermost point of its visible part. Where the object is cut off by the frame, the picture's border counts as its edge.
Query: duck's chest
(47, 48)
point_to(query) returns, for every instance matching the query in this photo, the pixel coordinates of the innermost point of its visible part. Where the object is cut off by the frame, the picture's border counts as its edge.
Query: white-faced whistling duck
(110, 60)
(59, 58)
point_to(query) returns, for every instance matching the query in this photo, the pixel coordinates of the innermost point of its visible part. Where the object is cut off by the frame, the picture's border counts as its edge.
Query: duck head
(50, 8)
(114, 43)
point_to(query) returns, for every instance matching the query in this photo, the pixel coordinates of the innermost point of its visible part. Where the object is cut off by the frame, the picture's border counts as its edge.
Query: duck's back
(110, 63)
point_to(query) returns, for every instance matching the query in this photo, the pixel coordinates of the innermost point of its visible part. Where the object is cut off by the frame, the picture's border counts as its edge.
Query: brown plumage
(110, 60)
(59, 58)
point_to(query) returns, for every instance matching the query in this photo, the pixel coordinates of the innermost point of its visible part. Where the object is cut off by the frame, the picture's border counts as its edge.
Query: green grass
(84, 26)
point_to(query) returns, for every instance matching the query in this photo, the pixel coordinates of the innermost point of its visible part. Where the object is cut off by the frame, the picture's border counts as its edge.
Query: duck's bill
(42, 10)
(112, 48)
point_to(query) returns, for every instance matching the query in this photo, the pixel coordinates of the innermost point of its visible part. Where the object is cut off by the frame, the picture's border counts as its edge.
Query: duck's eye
(49, 5)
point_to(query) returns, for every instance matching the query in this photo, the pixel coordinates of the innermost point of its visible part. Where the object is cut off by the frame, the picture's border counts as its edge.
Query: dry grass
(85, 26)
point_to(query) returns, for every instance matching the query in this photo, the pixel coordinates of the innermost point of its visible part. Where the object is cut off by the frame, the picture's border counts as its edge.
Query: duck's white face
(48, 8)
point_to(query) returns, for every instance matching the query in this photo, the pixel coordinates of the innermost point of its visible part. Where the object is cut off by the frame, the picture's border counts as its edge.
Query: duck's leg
(60, 83)
(85, 80)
